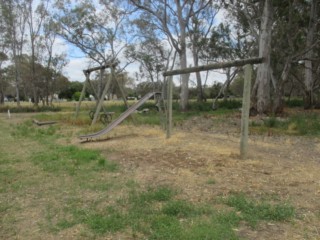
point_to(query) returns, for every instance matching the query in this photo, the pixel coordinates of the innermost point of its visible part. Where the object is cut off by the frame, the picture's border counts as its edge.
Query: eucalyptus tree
(225, 44)
(261, 88)
(36, 17)
(14, 16)
(53, 61)
(151, 49)
(172, 17)
(148, 54)
(311, 37)
(199, 29)
(281, 29)
(97, 29)
(3, 58)
(3, 82)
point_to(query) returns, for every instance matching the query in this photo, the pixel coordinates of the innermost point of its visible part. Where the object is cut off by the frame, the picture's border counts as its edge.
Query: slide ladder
(123, 116)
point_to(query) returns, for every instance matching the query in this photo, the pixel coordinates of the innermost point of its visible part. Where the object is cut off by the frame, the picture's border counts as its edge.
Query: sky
(78, 62)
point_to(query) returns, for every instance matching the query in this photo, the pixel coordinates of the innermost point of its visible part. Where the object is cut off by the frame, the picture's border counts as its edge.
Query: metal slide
(123, 116)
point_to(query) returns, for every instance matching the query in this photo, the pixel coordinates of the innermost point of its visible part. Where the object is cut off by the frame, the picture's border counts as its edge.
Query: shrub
(230, 104)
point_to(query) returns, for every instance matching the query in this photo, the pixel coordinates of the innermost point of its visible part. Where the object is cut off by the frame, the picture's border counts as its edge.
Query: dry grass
(285, 167)
(203, 166)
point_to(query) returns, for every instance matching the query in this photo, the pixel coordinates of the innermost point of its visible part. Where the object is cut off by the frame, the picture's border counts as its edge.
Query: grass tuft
(111, 223)
(252, 211)
(166, 227)
(179, 209)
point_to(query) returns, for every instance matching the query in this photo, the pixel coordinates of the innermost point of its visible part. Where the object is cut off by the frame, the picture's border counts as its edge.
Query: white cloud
(74, 70)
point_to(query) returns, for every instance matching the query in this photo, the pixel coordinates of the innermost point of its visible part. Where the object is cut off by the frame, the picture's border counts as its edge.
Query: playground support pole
(245, 111)
(169, 107)
(82, 93)
(101, 100)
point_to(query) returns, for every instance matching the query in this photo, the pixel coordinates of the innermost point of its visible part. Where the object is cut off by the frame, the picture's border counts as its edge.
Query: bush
(295, 103)
(30, 109)
(76, 96)
(230, 104)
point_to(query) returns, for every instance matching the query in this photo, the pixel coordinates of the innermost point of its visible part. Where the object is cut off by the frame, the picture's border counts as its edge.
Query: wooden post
(121, 91)
(245, 111)
(87, 74)
(101, 100)
(169, 107)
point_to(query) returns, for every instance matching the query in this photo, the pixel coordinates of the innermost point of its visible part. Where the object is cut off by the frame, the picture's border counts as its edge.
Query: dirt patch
(281, 166)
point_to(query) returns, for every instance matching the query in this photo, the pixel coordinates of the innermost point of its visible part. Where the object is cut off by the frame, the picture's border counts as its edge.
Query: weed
(178, 208)
(152, 194)
(211, 181)
(272, 122)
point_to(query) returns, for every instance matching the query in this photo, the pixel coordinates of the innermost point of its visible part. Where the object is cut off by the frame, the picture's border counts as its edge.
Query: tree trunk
(278, 103)
(309, 78)
(261, 90)
(226, 87)
(200, 96)
(1, 93)
(17, 65)
(184, 95)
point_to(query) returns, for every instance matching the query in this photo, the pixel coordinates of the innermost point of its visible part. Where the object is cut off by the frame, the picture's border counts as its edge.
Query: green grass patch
(211, 181)
(28, 130)
(166, 227)
(80, 189)
(152, 194)
(230, 104)
(303, 124)
(109, 223)
(254, 211)
(179, 208)
(155, 214)
(57, 158)
(72, 159)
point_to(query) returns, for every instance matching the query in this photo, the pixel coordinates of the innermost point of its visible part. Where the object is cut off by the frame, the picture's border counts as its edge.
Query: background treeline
(160, 35)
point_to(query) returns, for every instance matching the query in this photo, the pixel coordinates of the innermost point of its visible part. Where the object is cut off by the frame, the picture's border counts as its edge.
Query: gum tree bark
(309, 78)
(261, 90)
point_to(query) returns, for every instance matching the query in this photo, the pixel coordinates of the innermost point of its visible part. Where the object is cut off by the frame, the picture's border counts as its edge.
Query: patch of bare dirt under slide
(282, 166)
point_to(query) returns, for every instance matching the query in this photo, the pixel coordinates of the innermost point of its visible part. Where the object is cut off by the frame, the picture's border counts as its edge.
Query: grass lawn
(137, 186)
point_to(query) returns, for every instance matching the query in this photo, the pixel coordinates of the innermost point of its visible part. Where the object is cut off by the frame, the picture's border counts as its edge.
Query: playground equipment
(245, 104)
(245, 100)
(106, 116)
(123, 116)
(43, 123)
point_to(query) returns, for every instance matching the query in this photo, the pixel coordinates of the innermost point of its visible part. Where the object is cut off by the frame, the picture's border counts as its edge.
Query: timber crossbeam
(235, 63)
(108, 65)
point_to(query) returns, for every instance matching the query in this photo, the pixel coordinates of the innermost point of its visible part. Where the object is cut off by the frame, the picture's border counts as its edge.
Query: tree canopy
(161, 35)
